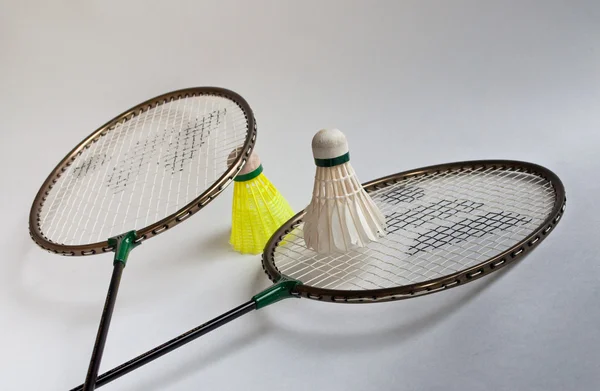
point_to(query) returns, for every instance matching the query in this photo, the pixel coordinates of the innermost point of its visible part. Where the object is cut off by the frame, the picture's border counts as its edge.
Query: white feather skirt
(341, 215)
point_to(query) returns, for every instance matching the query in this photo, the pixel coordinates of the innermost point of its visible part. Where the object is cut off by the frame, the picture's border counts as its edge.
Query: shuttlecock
(258, 208)
(341, 215)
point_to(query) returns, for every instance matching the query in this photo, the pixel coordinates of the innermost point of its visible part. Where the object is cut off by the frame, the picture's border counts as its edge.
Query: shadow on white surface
(333, 343)
(220, 351)
(214, 243)
(19, 282)
(60, 288)
(396, 322)
(206, 358)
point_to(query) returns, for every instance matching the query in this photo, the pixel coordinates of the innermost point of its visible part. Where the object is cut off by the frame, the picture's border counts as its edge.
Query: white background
(411, 83)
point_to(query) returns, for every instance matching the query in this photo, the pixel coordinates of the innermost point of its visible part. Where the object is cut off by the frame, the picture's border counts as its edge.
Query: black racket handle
(109, 306)
(173, 344)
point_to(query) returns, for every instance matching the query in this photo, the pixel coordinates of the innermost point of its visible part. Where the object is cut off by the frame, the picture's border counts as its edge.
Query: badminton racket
(447, 225)
(139, 175)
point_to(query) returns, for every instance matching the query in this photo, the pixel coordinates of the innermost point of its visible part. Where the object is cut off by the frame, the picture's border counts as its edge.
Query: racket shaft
(171, 345)
(109, 306)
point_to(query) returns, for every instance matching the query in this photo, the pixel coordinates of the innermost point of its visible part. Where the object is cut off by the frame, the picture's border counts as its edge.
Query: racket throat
(283, 289)
(122, 246)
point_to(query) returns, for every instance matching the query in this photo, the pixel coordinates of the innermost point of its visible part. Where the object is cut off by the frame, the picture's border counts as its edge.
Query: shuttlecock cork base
(341, 215)
(258, 208)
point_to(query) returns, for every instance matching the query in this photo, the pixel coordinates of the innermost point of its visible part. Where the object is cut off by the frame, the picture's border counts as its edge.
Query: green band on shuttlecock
(336, 161)
(250, 175)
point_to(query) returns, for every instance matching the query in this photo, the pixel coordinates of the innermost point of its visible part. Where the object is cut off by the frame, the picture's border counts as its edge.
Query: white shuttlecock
(341, 215)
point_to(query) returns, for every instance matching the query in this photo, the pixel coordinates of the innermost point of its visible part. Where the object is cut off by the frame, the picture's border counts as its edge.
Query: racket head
(447, 225)
(189, 129)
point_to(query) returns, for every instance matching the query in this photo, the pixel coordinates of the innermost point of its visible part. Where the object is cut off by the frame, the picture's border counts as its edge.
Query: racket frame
(165, 223)
(516, 252)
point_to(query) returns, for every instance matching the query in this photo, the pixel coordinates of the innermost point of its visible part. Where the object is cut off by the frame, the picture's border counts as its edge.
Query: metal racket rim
(461, 277)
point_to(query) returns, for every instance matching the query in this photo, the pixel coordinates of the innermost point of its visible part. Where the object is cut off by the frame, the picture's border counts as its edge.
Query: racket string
(132, 174)
(438, 224)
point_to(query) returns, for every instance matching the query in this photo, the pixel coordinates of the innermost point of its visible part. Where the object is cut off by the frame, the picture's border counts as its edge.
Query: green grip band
(336, 161)
(250, 175)
(122, 245)
(281, 290)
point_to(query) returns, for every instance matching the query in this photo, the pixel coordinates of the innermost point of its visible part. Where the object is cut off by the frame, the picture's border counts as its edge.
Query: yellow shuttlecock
(258, 209)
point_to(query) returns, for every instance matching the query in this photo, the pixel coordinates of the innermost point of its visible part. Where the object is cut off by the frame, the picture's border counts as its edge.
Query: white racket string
(437, 224)
(142, 169)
